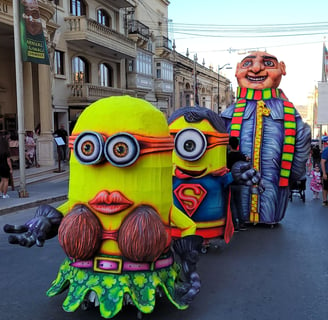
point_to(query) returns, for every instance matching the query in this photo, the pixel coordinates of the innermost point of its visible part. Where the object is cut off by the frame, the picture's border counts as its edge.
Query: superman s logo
(190, 196)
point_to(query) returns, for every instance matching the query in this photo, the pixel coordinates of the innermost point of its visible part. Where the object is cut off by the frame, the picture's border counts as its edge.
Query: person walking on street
(316, 181)
(324, 169)
(316, 155)
(5, 167)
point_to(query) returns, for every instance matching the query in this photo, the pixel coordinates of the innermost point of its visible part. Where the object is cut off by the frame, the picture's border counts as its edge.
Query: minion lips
(183, 173)
(109, 203)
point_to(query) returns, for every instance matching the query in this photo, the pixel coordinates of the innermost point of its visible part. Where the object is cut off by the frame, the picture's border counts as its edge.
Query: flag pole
(20, 100)
(324, 53)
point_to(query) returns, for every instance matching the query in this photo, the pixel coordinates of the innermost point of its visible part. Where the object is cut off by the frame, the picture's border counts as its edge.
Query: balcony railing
(90, 92)
(119, 3)
(163, 47)
(135, 26)
(163, 42)
(140, 82)
(163, 87)
(82, 28)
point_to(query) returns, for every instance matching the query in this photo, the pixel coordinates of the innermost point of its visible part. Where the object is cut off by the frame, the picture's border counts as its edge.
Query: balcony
(163, 87)
(137, 81)
(87, 35)
(80, 93)
(139, 33)
(163, 47)
(119, 3)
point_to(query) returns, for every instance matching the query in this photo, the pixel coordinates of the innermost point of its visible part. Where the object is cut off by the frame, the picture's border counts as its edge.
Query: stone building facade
(99, 48)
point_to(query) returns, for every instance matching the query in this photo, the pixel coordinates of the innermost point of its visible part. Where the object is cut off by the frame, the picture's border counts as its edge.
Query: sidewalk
(39, 192)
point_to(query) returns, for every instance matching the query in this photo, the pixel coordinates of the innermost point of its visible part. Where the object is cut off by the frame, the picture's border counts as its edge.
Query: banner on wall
(33, 43)
(322, 103)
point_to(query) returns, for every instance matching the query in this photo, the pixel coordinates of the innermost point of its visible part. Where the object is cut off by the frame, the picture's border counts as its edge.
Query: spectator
(29, 148)
(5, 167)
(316, 155)
(309, 163)
(233, 156)
(62, 133)
(13, 140)
(324, 169)
(37, 130)
(316, 182)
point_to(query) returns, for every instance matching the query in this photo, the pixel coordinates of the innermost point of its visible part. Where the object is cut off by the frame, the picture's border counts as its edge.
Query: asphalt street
(264, 273)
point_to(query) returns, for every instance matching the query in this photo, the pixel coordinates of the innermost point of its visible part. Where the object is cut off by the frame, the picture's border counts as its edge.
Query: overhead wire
(249, 27)
(190, 31)
(263, 30)
(198, 31)
(230, 50)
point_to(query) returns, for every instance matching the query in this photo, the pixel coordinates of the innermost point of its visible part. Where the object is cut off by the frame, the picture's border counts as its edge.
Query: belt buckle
(118, 260)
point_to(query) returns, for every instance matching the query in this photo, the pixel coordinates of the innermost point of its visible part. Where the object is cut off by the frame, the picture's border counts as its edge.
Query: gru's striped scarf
(244, 94)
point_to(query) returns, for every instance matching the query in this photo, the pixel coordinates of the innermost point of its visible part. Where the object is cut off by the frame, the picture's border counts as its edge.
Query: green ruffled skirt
(111, 288)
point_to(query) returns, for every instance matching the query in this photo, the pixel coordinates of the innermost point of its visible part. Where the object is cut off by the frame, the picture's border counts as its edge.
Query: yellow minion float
(200, 175)
(115, 226)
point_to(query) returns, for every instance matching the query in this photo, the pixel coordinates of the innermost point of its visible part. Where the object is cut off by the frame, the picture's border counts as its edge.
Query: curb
(32, 204)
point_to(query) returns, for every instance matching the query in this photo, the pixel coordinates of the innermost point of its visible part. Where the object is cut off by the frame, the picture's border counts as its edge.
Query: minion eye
(88, 148)
(122, 149)
(190, 144)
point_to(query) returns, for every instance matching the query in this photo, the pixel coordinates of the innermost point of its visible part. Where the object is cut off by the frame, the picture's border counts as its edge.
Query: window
(150, 45)
(144, 63)
(59, 62)
(78, 8)
(164, 71)
(187, 100)
(105, 75)
(204, 102)
(158, 70)
(130, 66)
(80, 68)
(103, 18)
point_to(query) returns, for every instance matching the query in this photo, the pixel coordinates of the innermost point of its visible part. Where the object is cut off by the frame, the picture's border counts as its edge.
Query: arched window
(106, 75)
(80, 69)
(78, 8)
(103, 18)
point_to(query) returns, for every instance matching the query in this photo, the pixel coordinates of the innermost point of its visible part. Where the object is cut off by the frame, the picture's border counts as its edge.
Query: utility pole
(196, 102)
(20, 101)
(219, 69)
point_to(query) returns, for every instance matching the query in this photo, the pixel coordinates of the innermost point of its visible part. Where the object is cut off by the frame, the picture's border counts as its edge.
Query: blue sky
(301, 54)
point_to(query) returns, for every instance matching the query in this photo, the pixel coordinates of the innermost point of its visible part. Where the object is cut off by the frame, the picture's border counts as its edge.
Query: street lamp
(220, 68)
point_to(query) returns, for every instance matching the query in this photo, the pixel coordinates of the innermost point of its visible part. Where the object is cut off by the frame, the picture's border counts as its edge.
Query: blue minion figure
(200, 175)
